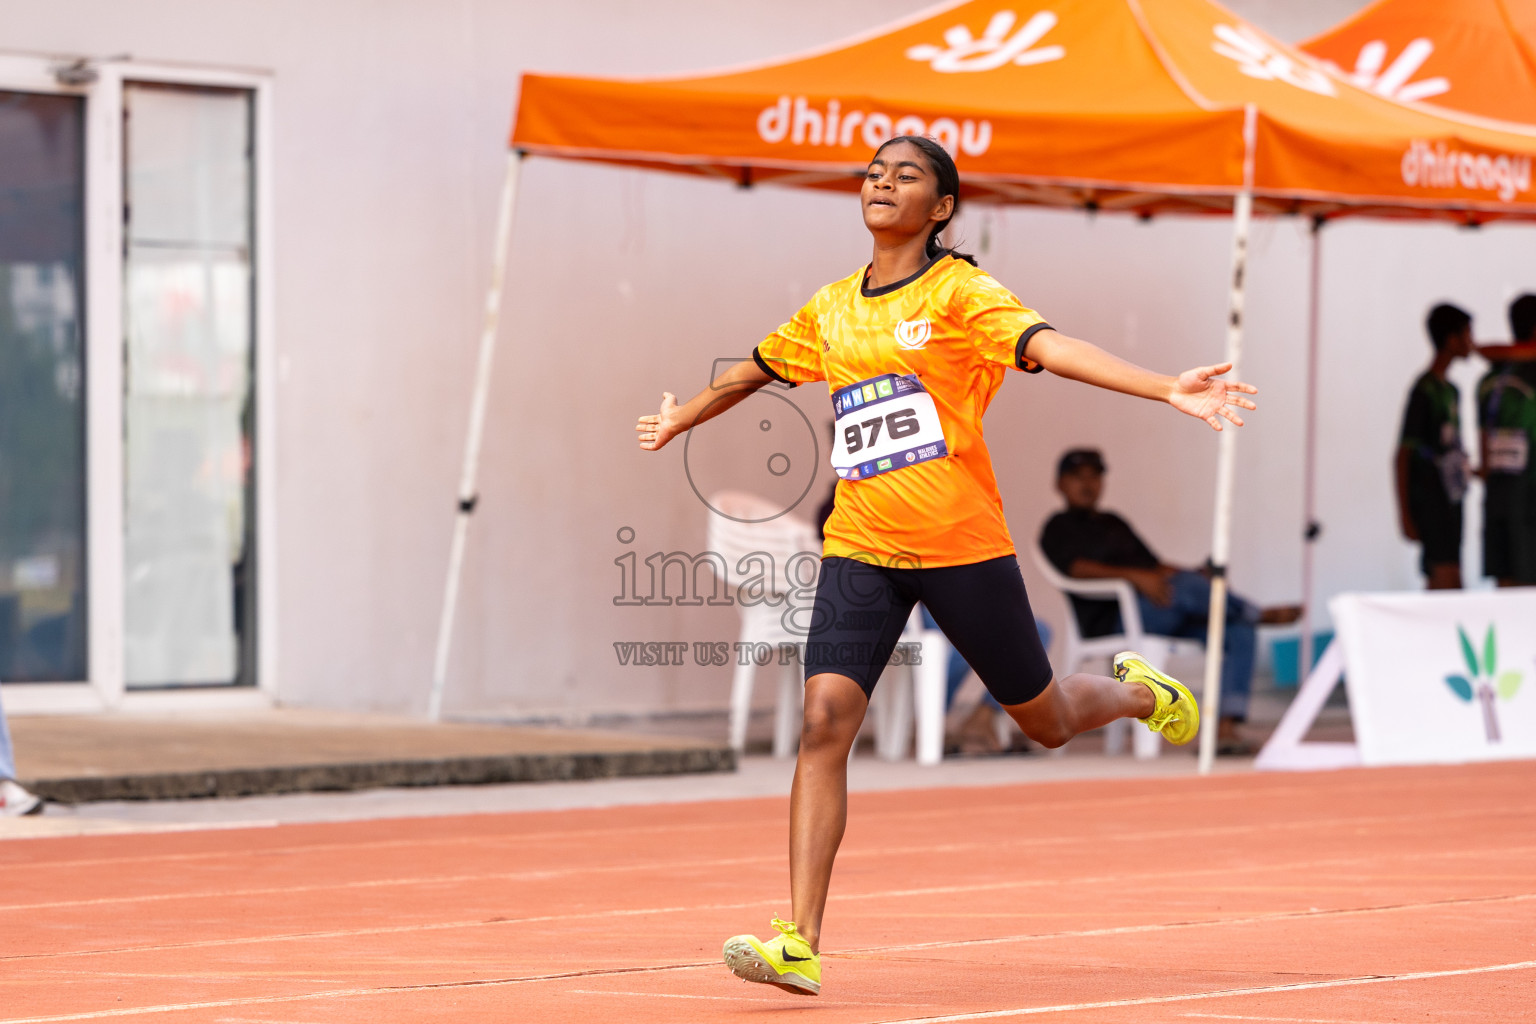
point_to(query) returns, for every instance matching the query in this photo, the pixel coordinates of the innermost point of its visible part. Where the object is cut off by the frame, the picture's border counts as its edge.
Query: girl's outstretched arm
(1198, 392)
(1513, 352)
(725, 391)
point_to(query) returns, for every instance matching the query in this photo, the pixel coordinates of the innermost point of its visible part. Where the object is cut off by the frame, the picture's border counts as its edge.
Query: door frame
(104, 349)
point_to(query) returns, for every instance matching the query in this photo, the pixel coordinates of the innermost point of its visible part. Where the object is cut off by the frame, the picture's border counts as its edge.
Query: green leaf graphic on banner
(1509, 684)
(1461, 686)
(1490, 653)
(1468, 653)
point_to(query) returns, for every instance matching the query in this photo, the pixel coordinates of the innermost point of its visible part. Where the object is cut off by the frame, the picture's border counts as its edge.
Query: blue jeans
(7, 758)
(958, 669)
(1186, 617)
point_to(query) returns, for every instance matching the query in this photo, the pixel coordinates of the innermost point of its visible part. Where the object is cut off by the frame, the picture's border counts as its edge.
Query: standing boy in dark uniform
(1506, 412)
(1431, 465)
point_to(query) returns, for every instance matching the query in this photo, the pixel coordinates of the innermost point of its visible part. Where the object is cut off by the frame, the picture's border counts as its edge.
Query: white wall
(391, 122)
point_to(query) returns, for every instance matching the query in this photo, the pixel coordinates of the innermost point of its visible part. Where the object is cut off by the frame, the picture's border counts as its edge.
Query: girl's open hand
(1199, 393)
(656, 431)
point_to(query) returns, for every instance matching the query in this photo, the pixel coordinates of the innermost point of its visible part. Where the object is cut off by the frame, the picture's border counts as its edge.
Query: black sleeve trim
(1018, 350)
(757, 357)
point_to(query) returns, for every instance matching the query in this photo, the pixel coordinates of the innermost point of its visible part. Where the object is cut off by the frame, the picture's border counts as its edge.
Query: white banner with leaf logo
(1440, 677)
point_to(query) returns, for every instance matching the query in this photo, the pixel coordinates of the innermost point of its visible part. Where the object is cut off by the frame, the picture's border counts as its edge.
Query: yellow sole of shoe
(748, 965)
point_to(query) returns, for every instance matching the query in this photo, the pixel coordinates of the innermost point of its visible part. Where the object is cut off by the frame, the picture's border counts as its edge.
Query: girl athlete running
(913, 347)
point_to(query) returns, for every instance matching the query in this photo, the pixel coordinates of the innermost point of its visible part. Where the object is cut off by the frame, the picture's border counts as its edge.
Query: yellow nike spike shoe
(786, 960)
(1176, 715)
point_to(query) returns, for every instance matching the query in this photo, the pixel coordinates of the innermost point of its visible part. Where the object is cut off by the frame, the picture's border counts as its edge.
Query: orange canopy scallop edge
(1473, 56)
(1136, 105)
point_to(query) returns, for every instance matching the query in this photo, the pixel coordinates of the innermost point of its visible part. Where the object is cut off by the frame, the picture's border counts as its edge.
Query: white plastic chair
(776, 540)
(1077, 649)
(920, 689)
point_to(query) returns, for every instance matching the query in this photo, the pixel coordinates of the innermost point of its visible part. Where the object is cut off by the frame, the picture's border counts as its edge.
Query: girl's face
(900, 193)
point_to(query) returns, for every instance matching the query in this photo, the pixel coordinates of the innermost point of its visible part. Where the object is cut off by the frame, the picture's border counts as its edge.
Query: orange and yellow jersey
(958, 331)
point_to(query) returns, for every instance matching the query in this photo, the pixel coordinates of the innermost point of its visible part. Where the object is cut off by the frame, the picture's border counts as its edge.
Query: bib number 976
(901, 423)
(884, 424)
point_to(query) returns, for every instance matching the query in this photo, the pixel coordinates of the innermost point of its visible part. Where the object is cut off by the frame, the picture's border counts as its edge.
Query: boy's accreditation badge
(884, 423)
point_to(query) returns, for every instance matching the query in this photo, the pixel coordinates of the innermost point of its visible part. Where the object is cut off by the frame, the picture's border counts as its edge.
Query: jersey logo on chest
(912, 334)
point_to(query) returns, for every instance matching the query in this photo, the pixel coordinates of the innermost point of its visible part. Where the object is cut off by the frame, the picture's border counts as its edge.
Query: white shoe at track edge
(16, 802)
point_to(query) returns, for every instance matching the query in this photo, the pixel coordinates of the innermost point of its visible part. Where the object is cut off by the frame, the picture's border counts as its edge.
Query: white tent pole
(1309, 459)
(1226, 461)
(467, 478)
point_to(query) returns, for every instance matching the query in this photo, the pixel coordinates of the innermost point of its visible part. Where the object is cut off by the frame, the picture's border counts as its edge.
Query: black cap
(1077, 458)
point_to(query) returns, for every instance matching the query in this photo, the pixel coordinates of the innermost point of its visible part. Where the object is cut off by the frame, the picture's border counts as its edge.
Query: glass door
(189, 582)
(42, 402)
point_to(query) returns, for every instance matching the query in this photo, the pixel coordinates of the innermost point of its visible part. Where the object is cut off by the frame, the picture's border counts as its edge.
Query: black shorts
(982, 608)
(1439, 524)
(1509, 529)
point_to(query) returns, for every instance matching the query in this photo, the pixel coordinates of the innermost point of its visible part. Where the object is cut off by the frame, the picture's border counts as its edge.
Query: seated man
(1088, 544)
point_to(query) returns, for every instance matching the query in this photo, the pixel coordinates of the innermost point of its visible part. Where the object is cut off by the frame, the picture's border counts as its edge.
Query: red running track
(1357, 897)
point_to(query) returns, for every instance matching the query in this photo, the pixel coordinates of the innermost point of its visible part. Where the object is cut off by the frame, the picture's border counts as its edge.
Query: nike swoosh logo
(790, 958)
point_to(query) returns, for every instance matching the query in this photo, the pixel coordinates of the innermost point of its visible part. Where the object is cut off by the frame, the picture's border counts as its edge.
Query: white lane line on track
(662, 995)
(954, 890)
(1370, 979)
(1073, 804)
(772, 901)
(687, 866)
(1283, 1020)
(376, 883)
(1257, 990)
(1168, 926)
(1036, 937)
(775, 821)
(768, 997)
(342, 993)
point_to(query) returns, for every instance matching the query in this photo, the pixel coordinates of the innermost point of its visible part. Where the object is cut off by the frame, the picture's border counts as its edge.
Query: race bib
(883, 424)
(1508, 451)
(1455, 471)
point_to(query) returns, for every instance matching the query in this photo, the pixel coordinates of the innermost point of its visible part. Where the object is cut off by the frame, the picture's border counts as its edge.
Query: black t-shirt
(1506, 412)
(1431, 434)
(1099, 537)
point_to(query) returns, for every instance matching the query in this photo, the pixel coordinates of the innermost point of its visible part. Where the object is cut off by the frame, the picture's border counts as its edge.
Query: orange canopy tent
(1149, 106)
(1473, 56)
(1122, 104)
